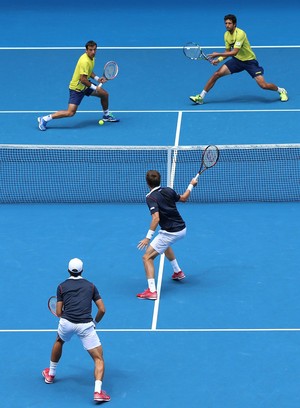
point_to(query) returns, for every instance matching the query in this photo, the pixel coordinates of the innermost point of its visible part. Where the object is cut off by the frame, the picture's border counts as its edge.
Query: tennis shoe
(284, 95)
(147, 294)
(49, 379)
(178, 275)
(42, 124)
(197, 99)
(110, 118)
(101, 397)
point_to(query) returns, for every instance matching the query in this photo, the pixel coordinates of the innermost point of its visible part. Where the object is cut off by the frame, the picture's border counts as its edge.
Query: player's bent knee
(147, 257)
(217, 75)
(261, 82)
(101, 93)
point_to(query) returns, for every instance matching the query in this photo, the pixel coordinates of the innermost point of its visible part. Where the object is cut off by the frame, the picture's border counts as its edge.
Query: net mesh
(116, 174)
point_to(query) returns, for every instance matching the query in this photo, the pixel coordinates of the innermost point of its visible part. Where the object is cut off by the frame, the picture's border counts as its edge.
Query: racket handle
(100, 85)
(197, 176)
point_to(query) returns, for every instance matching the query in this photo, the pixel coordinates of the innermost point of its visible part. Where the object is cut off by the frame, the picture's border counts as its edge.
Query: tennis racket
(110, 71)
(193, 51)
(52, 305)
(210, 157)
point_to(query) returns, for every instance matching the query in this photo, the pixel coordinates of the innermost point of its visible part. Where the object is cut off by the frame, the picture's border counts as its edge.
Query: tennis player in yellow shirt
(243, 59)
(81, 86)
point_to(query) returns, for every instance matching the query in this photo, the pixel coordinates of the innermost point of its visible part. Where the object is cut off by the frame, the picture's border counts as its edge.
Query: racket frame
(203, 167)
(202, 55)
(50, 302)
(116, 67)
(105, 66)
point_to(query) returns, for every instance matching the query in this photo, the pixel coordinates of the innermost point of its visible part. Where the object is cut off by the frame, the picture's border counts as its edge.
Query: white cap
(75, 265)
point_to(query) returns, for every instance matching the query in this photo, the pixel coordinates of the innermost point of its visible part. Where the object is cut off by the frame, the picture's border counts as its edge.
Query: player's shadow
(191, 280)
(243, 99)
(77, 125)
(87, 124)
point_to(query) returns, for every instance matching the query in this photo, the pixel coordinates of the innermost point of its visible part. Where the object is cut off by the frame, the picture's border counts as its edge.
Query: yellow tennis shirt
(85, 66)
(238, 39)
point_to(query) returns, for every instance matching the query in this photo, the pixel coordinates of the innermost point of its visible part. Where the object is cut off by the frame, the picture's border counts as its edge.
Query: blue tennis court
(228, 335)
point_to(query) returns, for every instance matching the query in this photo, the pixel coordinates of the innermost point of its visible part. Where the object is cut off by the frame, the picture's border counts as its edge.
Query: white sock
(98, 386)
(52, 368)
(175, 266)
(106, 112)
(279, 90)
(151, 285)
(47, 118)
(203, 93)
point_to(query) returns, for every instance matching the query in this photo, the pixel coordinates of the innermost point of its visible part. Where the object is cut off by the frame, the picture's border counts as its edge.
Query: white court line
(178, 127)
(233, 330)
(164, 111)
(162, 257)
(176, 144)
(177, 47)
(192, 330)
(159, 282)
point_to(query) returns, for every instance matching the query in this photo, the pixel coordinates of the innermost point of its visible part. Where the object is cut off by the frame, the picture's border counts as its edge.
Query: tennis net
(116, 174)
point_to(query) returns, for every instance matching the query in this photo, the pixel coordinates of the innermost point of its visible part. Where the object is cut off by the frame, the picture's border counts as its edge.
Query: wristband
(220, 59)
(190, 187)
(93, 87)
(150, 234)
(96, 78)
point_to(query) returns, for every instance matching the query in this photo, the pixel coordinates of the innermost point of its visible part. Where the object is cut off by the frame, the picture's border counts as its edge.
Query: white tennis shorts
(85, 331)
(165, 239)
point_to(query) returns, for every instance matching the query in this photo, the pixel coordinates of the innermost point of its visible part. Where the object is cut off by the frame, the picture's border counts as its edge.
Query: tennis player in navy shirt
(74, 307)
(162, 206)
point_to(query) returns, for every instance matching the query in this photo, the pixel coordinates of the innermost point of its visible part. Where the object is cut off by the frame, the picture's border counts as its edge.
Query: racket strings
(192, 51)
(210, 156)
(52, 304)
(111, 70)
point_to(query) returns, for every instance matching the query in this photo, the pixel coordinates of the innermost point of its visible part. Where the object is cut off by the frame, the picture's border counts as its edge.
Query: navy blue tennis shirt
(77, 295)
(163, 200)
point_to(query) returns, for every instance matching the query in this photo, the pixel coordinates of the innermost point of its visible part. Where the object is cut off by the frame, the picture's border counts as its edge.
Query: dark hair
(90, 43)
(153, 178)
(73, 273)
(230, 17)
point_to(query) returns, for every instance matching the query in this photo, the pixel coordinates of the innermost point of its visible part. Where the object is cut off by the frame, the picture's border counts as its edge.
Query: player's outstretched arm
(184, 197)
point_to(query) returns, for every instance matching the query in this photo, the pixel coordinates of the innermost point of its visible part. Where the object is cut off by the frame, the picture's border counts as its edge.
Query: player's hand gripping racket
(194, 51)
(52, 305)
(110, 71)
(210, 157)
